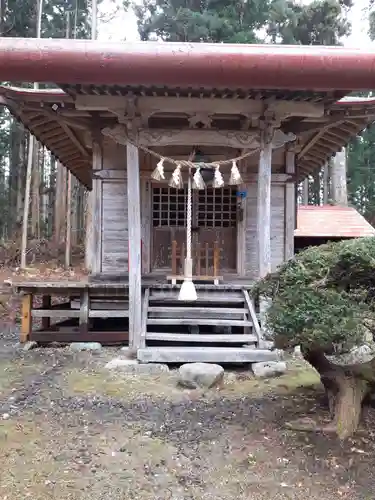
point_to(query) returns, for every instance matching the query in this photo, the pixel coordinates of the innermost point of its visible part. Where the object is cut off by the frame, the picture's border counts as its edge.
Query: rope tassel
(218, 181)
(176, 179)
(188, 292)
(235, 176)
(198, 182)
(158, 173)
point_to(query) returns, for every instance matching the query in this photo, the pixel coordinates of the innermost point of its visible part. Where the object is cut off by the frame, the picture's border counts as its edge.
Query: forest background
(54, 193)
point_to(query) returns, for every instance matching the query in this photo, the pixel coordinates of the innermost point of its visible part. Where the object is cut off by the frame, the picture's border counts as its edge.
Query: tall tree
(231, 21)
(242, 21)
(321, 22)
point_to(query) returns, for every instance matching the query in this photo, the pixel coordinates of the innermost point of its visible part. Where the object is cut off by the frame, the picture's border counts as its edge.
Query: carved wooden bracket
(280, 138)
(238, 139)
(151, 105)
(200, 118)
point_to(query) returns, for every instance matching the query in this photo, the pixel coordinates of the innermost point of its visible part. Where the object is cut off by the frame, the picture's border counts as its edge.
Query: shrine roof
(328, 221)
(50, 115)
(184, 65)
(320, 75)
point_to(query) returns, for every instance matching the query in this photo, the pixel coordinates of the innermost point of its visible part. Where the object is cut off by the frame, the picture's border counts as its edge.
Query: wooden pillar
(93, 255)
(134, 230)
(264, 203)
(97, 213)
(46, 304)
(68, 240)
(290, 206)
(27, 320)
(88, 231)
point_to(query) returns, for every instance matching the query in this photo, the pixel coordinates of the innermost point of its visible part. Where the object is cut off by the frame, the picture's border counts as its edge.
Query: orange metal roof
(331, 221)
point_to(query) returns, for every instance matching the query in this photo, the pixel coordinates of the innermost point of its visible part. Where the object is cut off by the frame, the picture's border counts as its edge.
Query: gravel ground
(70, 430)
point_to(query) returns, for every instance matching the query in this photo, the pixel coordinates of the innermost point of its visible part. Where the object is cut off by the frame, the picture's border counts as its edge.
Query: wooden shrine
(126, 122)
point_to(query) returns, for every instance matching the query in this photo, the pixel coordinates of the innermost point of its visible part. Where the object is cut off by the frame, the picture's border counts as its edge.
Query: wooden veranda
(223, 319)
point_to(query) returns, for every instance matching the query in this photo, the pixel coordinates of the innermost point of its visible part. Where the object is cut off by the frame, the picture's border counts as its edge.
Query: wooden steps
(218, 318)
(202, 338)
(200, 310)
(199, 321)
(204, 296)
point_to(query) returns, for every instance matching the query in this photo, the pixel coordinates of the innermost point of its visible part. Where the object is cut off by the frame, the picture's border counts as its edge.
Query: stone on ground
(85, 346)
(297, 353)
(132, 366)
(127, 351)
(358, 355)
(30, 345)
(200, 375)
(268, 344)
(269, 369)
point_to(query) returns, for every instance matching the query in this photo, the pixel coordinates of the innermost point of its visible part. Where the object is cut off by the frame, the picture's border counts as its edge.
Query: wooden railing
(206, 259)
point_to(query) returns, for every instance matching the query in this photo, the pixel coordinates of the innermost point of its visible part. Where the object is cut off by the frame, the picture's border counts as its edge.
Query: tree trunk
(305, 192)
(348, 404)
(21, 180)
(338, 173)
(14, 174)
(325, 184)
(345, 388)
(317, 188)
(60, 204)
(35, 215)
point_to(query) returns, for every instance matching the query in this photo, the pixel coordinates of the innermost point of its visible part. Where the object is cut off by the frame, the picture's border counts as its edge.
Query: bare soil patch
(71, 430)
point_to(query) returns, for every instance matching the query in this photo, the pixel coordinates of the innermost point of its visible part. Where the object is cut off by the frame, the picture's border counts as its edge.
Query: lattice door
(168, 223)
(217, 222)
(214, 220)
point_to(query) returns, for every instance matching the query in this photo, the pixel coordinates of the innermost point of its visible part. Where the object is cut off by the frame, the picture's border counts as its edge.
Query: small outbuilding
(320, 224)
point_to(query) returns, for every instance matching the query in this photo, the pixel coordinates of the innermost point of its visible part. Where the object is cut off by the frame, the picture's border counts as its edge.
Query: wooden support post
(198, 258)
(264, 203)
(93, 255)
(84, 312)
(46, 304)
(289, 207)
(216, 258)
(207, 259)
(146, 299)
(174, 258)
(182, 258)
(27, 320)
(134, 225)
(68, 240)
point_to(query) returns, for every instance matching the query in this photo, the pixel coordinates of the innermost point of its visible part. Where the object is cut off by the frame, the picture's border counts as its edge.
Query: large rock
(269, 369)
(358, 355)
(133, 367)
(200, 375)
(85, 346)
(31, 344)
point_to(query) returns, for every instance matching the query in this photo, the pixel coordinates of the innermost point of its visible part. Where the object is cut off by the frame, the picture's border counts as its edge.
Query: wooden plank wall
(115, 212)
(277, 228)
(115, 231)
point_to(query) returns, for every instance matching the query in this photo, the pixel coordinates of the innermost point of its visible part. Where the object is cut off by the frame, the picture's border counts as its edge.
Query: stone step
(185, 354)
